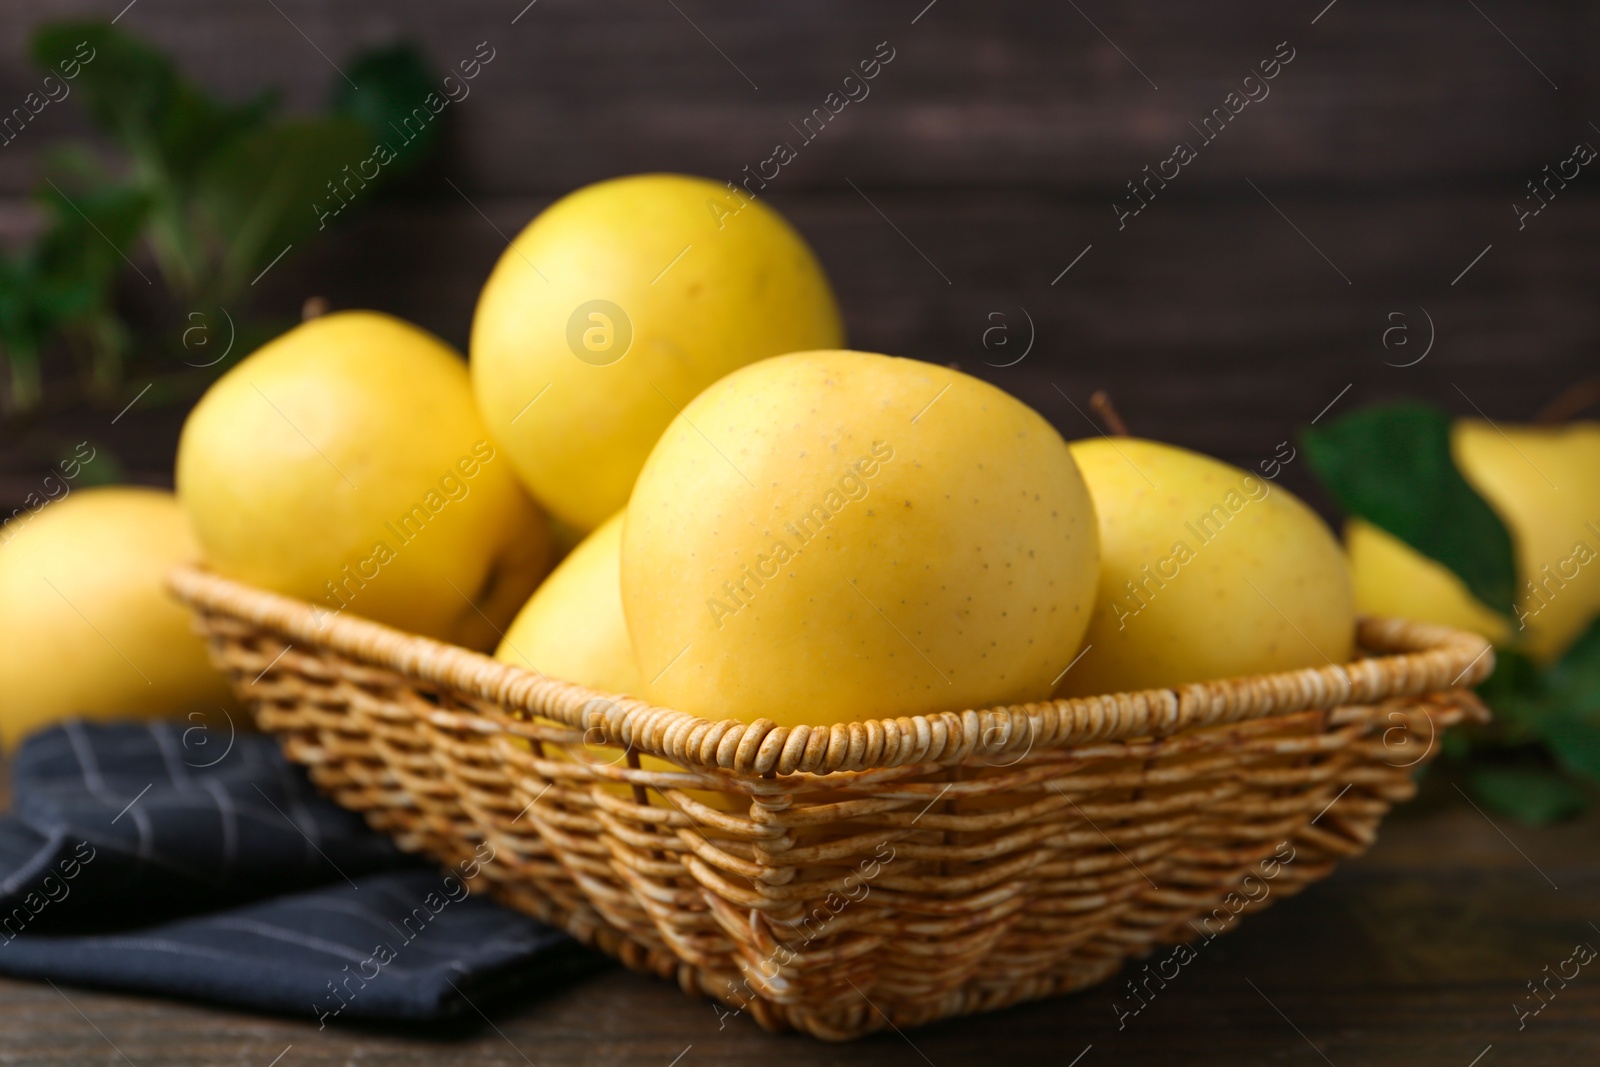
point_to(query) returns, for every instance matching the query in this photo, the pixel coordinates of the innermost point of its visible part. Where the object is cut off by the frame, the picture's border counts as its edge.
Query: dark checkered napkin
(135, 857)
(408, 946)
(124, 824)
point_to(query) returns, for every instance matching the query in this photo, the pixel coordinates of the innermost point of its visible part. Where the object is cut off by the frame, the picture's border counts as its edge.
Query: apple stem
(314, 308)
(1101, 402)
(1569, 402)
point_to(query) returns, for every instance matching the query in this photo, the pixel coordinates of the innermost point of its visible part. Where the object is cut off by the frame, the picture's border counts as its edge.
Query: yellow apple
(573, 629)
(1544, 483)
(1207, 571)
(345, 463)
(86, 625)
(614, 308)
(829, 536)
(1392, 578)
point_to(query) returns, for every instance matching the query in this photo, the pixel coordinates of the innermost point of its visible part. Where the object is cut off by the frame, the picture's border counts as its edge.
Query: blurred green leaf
(19, 344)
(1574, 740)
(135, 93)
(1571, 697)
(91, 237)
(76, 264)
(1555, 710)
(1392, 466)
(264, 192)
(214, 190)
(62, 284)
(104, 469)
(1528, 794)
(395, 83)
(169, 128)
(1575, 677)
(17, 313)
(1516, 693)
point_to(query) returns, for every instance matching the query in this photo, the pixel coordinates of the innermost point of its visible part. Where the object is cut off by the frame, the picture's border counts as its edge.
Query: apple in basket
(830, 536)
(573, 629)
(618, 304)
(1207, 571)
(345, 463)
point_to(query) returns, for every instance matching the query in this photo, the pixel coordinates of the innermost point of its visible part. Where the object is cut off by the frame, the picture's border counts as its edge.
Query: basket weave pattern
(896, 870)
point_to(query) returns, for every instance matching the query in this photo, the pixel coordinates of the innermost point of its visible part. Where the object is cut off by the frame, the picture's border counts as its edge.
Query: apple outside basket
(897, 870)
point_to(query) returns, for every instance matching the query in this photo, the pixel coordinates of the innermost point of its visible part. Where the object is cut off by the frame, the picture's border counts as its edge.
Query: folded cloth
(401, 946)
(114, 825)
(116, 829)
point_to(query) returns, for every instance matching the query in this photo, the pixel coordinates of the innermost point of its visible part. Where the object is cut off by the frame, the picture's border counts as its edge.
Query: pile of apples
(766, 524)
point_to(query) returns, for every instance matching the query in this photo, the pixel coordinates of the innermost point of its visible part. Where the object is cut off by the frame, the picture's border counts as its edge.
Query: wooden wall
(1249, 293)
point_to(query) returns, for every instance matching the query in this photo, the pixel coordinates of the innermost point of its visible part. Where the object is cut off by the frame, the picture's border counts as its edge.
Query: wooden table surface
(1412, 955)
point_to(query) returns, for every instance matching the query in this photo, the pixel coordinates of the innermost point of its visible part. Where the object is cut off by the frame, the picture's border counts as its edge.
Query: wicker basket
(893, 871)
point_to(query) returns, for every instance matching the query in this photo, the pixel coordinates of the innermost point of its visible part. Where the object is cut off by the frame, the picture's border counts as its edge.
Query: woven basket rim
(1410, 658)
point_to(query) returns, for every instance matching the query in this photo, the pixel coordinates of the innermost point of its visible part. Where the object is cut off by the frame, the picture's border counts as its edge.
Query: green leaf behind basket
(1571, 723)
(1392, 466)
(1529, 794)
(1556, 710)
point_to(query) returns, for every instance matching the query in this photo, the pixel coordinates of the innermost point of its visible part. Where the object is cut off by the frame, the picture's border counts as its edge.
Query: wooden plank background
(988, 155)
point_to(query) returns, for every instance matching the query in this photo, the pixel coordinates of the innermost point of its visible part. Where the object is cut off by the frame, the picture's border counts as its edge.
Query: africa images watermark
(56, 487)
(810, 926)
(453, 487)
(1582, 954)
(53, 889)
(1206, 527)
(1550, 583)
(852, 90)
(411, 127)
(455, 888)
(1582, 155)
(54, 91)
(852, 486)
(1210, 129)
(1171, 966)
